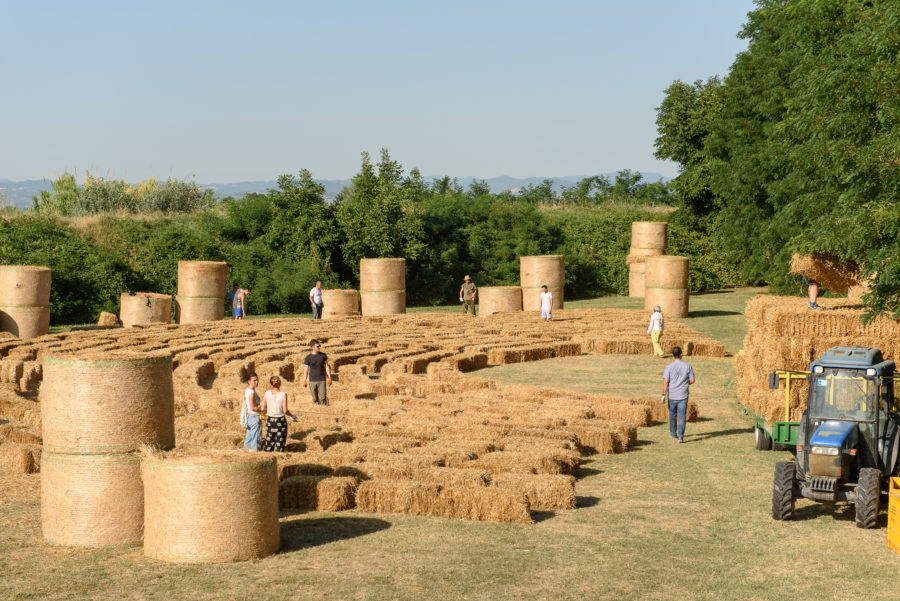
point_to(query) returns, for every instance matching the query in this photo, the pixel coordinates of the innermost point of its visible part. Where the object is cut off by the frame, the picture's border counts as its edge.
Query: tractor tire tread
(783, 490)
(868, 496)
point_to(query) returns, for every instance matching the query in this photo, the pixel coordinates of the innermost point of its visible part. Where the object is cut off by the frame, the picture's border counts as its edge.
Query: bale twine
(340, 303)
(25, 321)
(199, 309)
(215, 507)
(144, 308)
(91, 500)
(382, 286)
(636, 279)
(25, 285)
(107, 402)
(202, 278)
(497, 299)
(538, 271)
(648, 235)
(674, 302)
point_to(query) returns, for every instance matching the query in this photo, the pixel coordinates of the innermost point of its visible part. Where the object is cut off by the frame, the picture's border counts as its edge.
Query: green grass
(660, 522)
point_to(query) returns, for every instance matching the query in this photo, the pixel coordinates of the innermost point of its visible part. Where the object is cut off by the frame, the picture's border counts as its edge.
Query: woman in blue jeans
(254, 426)
(677, 379)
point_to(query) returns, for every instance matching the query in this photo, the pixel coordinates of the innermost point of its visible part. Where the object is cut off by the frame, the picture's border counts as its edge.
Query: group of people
(316, 376)
(237, 296)
(677, 377)
(468, 291)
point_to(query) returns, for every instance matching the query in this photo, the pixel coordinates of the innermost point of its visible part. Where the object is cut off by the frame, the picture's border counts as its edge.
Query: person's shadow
(303, 534)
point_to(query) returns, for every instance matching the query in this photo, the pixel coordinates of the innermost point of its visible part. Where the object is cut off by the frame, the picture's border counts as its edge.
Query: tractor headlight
(870, 371)
(819, 369)
(825, 451)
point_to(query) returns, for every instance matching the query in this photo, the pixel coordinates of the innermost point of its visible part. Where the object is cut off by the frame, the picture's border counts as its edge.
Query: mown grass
(660, 522)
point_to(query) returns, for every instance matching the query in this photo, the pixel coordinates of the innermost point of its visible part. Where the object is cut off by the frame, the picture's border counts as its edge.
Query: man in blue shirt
(677, 379)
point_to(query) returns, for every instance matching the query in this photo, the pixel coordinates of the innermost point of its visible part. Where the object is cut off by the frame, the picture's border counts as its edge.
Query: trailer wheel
(762, 442)
(868, 495)
(783, 491)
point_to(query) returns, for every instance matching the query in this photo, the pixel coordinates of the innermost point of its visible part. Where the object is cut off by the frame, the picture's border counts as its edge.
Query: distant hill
(19, 193)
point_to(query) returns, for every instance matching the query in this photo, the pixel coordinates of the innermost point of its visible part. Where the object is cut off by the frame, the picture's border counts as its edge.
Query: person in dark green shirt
(467, 295)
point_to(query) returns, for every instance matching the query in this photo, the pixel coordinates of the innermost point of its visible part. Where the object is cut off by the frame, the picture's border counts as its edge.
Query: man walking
(677, 379)
(315, 299)
(316, 371)
(467, 295)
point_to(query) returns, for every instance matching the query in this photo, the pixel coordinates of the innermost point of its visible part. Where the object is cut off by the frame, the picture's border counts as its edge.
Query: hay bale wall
(145, 308)
(382, 286)
(538, 271)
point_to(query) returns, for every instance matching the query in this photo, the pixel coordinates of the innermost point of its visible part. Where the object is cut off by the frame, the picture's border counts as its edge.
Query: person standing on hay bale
(467, 295)
(677, 379)
(316, 372)
(813, 292)
(275, 406)
(315, 299)
(253, 409)
(655, 329)
(546, 303)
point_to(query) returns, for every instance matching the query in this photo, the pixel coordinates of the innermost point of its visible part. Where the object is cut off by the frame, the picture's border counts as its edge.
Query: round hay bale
(199, 309)
(92, 500)
(648, 235)
(636, 279)
(25, 321)
(144, 308)
(538, 271)
(202, 278)
(113, 402)
(639, 255)
(340, 303)
(25, 285)
(673, 301)
(496, 299)
(666, 271)
(214, 507)
(382, 286)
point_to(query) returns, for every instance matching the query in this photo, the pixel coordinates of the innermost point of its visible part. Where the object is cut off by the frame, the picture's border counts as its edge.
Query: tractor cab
(848, 437)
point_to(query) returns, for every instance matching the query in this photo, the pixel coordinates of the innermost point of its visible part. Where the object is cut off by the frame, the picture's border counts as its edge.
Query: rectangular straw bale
(290, 470)
(522, 462)
(317, 493)
(402, 496)
(13, 432)
(543, 491)
(17, 458)
(827, 270)
(483, 504)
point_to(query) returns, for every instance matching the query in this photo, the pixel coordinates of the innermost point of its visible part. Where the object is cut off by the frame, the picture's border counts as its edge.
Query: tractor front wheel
(868, 496)
(783, 490)
(762, 442)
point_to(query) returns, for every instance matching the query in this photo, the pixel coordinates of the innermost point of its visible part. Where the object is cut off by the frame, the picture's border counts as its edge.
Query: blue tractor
(848, 437)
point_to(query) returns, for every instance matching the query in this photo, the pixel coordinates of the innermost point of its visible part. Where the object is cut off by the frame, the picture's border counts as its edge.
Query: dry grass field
(654, 521)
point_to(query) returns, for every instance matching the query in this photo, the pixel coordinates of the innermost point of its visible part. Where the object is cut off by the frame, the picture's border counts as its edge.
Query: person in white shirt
(655, 329)
(315, 299)
(254, 426)
(546, 303)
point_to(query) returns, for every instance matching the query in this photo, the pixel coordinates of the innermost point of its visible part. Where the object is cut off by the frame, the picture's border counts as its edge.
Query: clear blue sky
(230, 91)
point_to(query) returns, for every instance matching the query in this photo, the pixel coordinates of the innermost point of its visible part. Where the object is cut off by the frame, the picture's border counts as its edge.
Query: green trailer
(781, 434)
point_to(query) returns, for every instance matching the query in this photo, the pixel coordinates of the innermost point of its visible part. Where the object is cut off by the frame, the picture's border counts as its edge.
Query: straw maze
(405, 429)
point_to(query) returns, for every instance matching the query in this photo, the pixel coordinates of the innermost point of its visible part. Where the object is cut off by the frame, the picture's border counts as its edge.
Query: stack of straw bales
(210, 507)
(827, 270)
(382, 286)
(783, 333)
(201, 291)
(340, 303)
(648, 239)
(666, 285)
(97, 410)
(542, 270)
(25, 311)
(145, 308)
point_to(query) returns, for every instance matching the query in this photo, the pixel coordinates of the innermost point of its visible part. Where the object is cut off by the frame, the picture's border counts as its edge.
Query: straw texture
(649, 235)
(340, 303)
(827, 270)
(144, 308)
(214, 507)
(110, 402)
(199, 309)
(538, 271)
(91, 500)
(382, 286)
(25, 321)
(25, 285)
(497, 299)
(202, 278)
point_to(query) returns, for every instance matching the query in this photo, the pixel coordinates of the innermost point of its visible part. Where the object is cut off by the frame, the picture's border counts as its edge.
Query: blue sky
(231, 91)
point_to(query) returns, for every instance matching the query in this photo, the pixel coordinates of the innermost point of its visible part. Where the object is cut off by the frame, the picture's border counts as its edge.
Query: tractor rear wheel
(868, 496)
(783, 490)
(762, 442)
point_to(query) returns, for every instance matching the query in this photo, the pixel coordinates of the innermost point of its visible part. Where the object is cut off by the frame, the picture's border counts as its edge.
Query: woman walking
(252, 407)
(276, 407)
(655, 329)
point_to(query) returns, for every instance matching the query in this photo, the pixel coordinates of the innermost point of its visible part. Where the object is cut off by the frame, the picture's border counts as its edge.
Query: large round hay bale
(382, 286)
(340, 303)
(538, 271)
(24, 321)
(636, 279)
(648, 235)
(202, 278)
(214, 507)
(673, 301)
(92, 500)
(199, 309)
(25, 285)
(666, 271)
(496, 299)
(144, 308)
(107, 402)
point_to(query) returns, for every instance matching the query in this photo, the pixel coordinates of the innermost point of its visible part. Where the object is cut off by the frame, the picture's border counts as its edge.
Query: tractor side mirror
(773, 381)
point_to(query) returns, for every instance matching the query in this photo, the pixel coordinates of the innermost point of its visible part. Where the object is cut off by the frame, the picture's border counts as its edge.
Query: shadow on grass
(588, 471)
(303, 534)
(541, 516)
(729, 432)
(712, 313)
(843, 512)
(586, 502)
